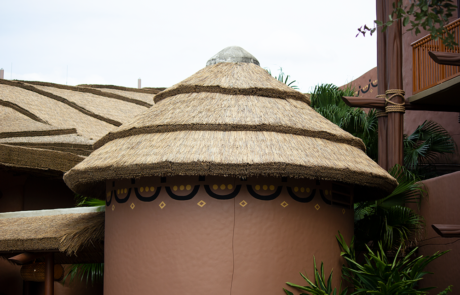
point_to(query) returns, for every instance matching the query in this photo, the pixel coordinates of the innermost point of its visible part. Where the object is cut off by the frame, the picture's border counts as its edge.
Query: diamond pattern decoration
(113, 207)
(201, 203)
(162, 205)
(284, 204)
(243, 203)
(343, 211)
(132, 206)
(317, 206)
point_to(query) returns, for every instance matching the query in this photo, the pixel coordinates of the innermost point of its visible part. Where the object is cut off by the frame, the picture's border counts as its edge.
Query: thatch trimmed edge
(89, 90)
(33, 158)
(83, 234)
(34, 133)
(142, 90)
(61, 99)
(22, 110)
(92, 181)
(266, 92)
(356, 142)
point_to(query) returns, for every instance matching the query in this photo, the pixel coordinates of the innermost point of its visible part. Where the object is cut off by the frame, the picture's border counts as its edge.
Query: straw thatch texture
(104, 106)
(237, 153)
(146, 97)
(33, 158)
(66, 232)
(230, 119)
(15, 124)
(86, 90)
(223, 112)
(54, 112)
(233, 79)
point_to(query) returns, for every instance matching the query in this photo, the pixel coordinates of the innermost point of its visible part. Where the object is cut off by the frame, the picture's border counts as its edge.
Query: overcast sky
(164, 42)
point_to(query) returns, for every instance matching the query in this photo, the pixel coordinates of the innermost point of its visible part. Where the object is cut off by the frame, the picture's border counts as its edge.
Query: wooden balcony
(427, 73)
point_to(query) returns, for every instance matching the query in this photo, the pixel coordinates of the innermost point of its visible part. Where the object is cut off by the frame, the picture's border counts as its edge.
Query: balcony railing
(427, 73)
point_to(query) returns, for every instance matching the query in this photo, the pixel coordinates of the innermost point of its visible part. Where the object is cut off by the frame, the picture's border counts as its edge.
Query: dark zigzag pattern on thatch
(20, 109)
(90, 90)
(142, 90)
(60, 99)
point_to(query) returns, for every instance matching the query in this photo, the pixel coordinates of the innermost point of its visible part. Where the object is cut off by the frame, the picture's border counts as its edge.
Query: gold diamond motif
(132, 206)
(343, 211)
(162, 205)
(317, 206)
(113, 207)
(201, 203)
(284, 204)
(243, 203)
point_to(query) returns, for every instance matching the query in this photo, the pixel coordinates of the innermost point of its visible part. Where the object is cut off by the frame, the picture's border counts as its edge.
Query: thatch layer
(146, 97)
(120, 111)
(124, 89)
(237, 153)
(15, 124)
(32, 158)
(66, 232)
(54, 112)
(21, 110)
(222, 112)
(88, 90)
(233, 79)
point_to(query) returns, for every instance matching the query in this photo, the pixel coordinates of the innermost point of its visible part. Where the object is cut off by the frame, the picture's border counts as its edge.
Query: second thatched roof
(229, 119)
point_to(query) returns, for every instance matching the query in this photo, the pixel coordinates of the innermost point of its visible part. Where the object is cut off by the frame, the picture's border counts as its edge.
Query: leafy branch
(429, 15)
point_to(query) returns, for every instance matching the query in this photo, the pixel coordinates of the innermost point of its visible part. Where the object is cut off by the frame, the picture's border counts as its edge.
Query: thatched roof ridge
(233, 79)
(88, 90)
(33, 158)
(65, 230)
(129, 89)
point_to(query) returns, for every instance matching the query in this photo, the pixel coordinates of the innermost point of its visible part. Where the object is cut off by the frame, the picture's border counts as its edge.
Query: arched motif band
(324, 198)
(264, 198)
(122, 200)
(223, 197)
(107, 203)
(301, 200)
(182, 198)
(147, 199)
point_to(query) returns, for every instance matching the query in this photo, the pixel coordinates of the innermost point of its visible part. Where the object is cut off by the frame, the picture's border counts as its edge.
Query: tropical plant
(283, 78)
(424, 146)
(326, 99)
(387, 220)
(92, 272)
(321, 286)
(381, 275)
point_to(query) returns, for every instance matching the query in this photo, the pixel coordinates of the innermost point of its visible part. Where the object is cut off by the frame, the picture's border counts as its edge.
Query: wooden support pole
(49, 274)
(381, 76)
(395, 81)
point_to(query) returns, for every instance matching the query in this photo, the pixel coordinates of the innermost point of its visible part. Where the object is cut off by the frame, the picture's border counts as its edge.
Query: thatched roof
(51, 118)
(229, 119)
(74, 232)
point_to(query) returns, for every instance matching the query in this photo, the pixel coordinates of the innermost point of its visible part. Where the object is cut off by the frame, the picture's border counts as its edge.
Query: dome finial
(232, 54)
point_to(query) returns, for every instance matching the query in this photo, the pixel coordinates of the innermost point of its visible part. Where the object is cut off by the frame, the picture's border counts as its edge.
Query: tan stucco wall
(219, 247)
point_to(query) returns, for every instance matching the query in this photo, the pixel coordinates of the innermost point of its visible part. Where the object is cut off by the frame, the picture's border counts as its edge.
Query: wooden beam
(445, 58)
(447, 230)
(378, 103)
(25, 257)
(49, 274)
(382, 16)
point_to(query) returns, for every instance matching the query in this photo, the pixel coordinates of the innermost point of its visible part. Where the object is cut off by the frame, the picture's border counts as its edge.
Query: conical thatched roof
(229, 119)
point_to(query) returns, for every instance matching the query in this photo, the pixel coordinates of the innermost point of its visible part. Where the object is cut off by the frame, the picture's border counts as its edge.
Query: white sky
(164, 42)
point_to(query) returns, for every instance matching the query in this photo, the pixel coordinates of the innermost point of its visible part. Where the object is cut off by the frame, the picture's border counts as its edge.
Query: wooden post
(49, 274)
(395, 81)
(381, 76)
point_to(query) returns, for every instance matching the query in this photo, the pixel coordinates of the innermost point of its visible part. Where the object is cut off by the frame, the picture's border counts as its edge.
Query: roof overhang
(444, 94)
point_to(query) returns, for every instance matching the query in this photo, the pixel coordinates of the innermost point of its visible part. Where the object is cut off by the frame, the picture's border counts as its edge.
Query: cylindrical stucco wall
(220, 235)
